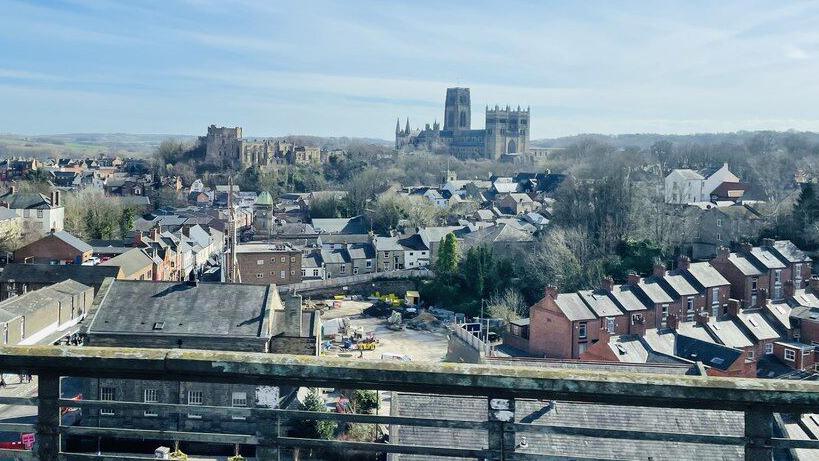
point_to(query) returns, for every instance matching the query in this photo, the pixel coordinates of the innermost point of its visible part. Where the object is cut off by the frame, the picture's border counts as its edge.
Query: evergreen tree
(316, 429)
(448, 256)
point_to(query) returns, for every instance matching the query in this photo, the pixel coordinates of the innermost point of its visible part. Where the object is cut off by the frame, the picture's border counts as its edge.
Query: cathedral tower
(457, 110)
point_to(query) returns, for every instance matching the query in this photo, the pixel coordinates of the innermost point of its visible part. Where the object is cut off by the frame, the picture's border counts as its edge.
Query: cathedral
(506, 132)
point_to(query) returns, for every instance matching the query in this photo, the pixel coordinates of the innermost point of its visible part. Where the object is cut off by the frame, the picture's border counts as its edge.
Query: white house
(40, 214)
(684, 186)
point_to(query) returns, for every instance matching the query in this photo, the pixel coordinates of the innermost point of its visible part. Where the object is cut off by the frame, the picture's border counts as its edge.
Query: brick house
(58, 247)
(266, 263)
(561, 325)
(796, 355)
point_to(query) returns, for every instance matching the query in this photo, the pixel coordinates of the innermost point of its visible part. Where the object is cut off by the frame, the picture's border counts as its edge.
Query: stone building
(506, 132)
(266, 263)
(226, 146)
(191, 315)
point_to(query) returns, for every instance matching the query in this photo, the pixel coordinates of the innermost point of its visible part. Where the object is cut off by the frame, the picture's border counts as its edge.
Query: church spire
(398, 125)
(408, 128)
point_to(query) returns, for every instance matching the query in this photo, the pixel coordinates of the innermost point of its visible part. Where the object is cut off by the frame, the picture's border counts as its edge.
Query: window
(664, 313)
(750, 353)
(292, 259)
(581, 330)
(195, 398)
(719, 236)
(411, 253)
(238, 399)
(303, 273)
(355, 271)
(806, 352)
(797, 274)
(689, 309)
(753, 300)
(343, 268)
(581, 348)
(150, 396)
(315, 272)
(719, 223)
(778, 276)
(769, 348)
(282, 275)
(292, 272)
(260, 262)
(22, 328)
(40, 214)
(107, 393)
(369, 263)
(754, 282)
(259, 275)
(790, 355)
(283, 259)
(611, 325)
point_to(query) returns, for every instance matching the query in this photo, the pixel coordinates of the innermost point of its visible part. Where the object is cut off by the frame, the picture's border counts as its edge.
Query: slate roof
(688, 173)
(572, 414)
(39, 299)
(26, 200)
(354, 225)
(339, 256)
(789, 252)
(710, 354)
(654, 291)
(131, 262)
(627, 298)
(757, 324)
(414, 242)
(311, 260)
(677, 281)
(766, 258)
(212, 309)
(706, 275)
(50, 274)
(573, 307)
(600, 303)
(387, 244)
(745, 266)
(501, 232)
(781, 313)
(728, 333)
(73, 241)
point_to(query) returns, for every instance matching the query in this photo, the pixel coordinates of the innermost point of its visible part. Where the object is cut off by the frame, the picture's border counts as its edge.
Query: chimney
(733, 308)
(673, 321)
(550, 291)
(659, 270)
(13, 190)
(633, 278)
(155, 231)
(607, 284)
(790, 288)
(813, 283)
(292, 315)
(746, 247)
(638, 325)
(702, 318)
(768, 243)
(683, 262)
(762, 300)
(723, 253)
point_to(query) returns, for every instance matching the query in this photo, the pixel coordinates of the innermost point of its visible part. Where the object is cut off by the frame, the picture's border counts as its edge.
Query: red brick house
(796, 355)
(58, 247)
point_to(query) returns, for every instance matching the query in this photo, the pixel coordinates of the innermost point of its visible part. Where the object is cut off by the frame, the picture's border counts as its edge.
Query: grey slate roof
(573, 307)
(213, 309)
(728, 333)
(757, 324)
(26, 200)
(766, 258)
(73, 241)
(626, 297)
(50, 274)
(789, 252)
(131, 262)
(780, 312)
(678, 283)
(600, 303)
(576, 414)
(39, 299)
(706, 275)
(745, 266)
(710, 354)
(654, 291)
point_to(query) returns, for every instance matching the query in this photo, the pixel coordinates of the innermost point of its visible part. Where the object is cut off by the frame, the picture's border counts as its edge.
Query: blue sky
(351, 67)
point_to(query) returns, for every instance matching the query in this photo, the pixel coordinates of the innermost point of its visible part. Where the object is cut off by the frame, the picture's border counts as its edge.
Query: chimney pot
(607, 283)
(746, 247)
(702, 317)
(768, 242)
(673, 322)
(790, 288)
(550, 291)
(683, 262)
(733, 308)
(659, 270)
(633, 278)
(813, 283)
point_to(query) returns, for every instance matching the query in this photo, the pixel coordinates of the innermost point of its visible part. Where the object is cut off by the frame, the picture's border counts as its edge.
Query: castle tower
(457, 109)
(507, 131)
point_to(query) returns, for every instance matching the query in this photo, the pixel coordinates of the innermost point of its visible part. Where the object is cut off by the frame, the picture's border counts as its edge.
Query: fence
(336, 282)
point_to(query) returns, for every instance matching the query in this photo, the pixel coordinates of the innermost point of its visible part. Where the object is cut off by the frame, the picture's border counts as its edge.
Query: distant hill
(135, 145)
(644, 140)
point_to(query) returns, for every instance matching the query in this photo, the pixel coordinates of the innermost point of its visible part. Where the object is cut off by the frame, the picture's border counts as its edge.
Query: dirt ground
(421, 346)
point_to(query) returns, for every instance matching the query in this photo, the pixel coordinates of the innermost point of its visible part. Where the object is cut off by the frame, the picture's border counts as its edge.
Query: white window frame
(195, 398)
(150, 396)
(582, 330)
(260, 262)
(751, 354)
(689, 308)
(791, 353)
(107, 393)
(237, 401)
(664, 313)
(715, 296)
(768, 348)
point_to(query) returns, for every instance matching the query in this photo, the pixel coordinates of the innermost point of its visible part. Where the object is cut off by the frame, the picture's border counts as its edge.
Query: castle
(506, 132)
(226, 147)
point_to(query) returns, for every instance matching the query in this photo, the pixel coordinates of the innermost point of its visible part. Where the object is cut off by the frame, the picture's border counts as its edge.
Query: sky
(350, 68)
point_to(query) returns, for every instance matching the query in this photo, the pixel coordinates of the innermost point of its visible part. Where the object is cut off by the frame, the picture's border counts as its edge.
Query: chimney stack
(673, 321)
(659, 270)
(550, 291)
(746, 247)
(813, 283)
(638, 325)
(607, 283)
(155, 231)
(722, 253)
(768, 243)
(762, 299)
(683, 262)
(292, 315)
(702, 318)
(733, 308)
(633, 278)
(790, 288)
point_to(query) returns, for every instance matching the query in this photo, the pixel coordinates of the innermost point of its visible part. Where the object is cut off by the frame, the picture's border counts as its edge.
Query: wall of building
(267, 267)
